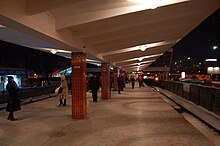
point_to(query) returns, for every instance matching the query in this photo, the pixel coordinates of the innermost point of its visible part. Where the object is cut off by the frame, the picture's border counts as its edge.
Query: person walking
(94, 85)
(140, 80)
(14, 103)
(63, 91)
(132, 79)
(120, 83)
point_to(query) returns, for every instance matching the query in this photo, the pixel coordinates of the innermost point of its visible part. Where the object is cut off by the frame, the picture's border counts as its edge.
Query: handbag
(60, 90)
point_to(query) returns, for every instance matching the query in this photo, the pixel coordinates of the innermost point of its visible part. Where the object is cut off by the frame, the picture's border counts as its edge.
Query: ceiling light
(143, 47)
(140, 59)
(151, 4)
(53, 51)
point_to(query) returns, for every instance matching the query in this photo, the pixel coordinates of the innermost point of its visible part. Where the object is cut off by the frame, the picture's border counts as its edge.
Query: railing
(29, 92)
(206, 96)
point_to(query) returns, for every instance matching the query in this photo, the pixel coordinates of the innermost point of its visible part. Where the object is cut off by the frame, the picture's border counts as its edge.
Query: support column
(105, 81)
(115, 75)
(79, 102)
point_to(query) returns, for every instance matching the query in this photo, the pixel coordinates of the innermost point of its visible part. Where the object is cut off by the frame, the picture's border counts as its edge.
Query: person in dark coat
(13, 101)
(94, 85)
(120, 82)
(132, 79)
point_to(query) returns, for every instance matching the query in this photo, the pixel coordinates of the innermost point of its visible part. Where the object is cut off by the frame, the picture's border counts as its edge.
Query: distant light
(145, 77)
(53, 51)
(183, 75)
(211, 60)
(210, 68)
(156, 79)
(111, 68)
(213, 70)
(98, 64)
(216, 68)
(188, 58)
(215, 47)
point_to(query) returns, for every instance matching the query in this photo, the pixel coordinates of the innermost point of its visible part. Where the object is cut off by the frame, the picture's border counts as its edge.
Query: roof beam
(98, 14)
(180, 22)
(139, 18)
(128, 62)
(39, 6)
(139, 40)
(146, 46)
(134, 54)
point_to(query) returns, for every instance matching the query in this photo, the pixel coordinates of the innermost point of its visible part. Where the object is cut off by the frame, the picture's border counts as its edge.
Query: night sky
(198, 44)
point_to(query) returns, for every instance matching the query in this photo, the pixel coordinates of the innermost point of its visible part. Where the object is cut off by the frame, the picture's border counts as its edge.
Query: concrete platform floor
(137, 117)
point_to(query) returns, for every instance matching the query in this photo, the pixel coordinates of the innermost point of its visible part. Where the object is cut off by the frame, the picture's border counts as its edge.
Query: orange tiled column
(115, 75)
(105, 81)
(79, 103)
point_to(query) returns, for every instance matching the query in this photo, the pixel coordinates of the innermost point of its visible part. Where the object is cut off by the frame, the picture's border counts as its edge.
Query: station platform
(136, 117)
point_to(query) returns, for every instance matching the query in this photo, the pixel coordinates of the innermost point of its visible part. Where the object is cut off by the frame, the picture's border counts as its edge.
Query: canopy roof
(112, 31)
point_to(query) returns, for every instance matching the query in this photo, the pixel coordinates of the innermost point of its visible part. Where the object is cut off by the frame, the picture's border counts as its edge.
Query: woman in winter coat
(64, 93)
(13, 101)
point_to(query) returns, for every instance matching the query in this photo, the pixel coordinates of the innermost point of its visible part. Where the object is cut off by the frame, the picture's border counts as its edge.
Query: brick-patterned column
(115, 75)
(105, 81)
(79, 102)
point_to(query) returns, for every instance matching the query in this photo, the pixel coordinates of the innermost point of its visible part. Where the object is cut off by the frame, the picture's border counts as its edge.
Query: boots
(64, 104)
(61, 102)
(11, 117)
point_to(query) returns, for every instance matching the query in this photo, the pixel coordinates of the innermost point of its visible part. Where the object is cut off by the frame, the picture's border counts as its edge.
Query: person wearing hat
(63, 94)
(14, 103)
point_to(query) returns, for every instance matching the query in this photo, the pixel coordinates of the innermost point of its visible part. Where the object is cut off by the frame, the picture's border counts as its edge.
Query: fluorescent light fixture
(211, 60)
(53, 51)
